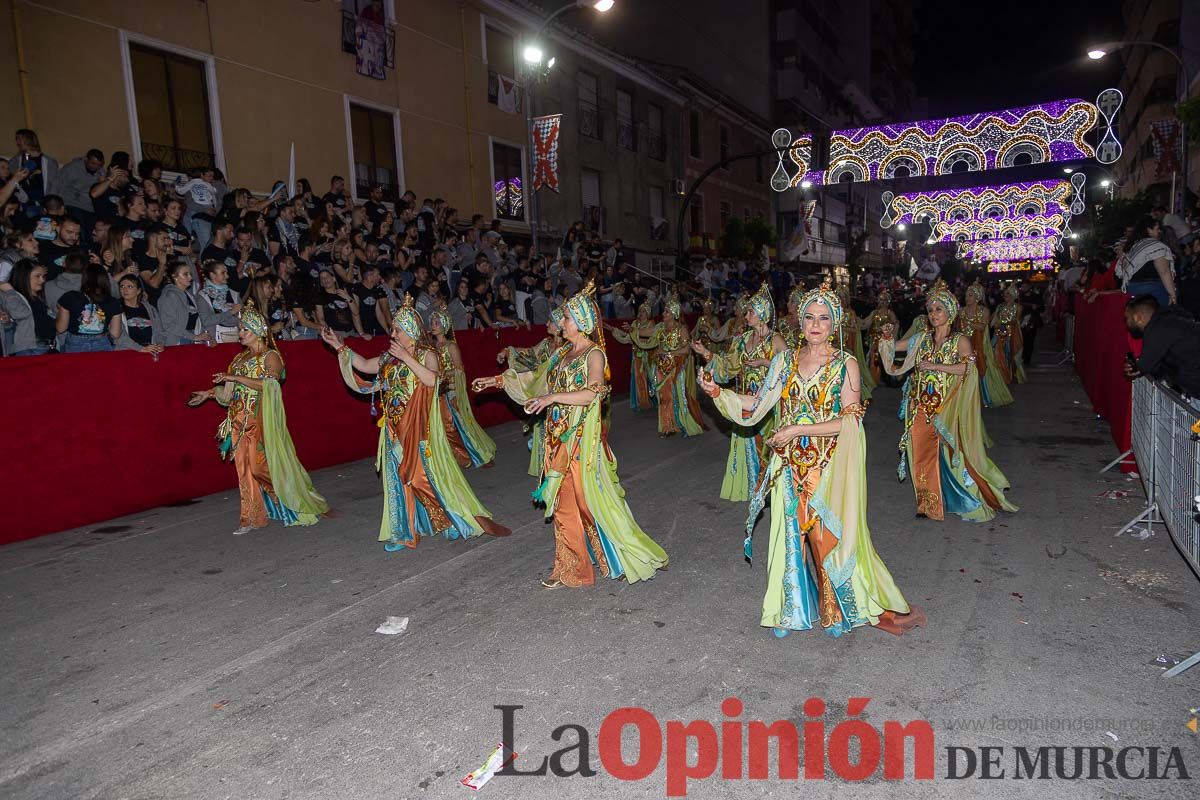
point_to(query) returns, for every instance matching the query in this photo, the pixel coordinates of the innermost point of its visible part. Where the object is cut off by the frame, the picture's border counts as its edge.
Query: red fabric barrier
(93, 436)
(1101, 342)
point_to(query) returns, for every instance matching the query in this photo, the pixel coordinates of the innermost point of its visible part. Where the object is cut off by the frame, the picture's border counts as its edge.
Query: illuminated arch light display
(1013, 209)
(966, 231)
(991, 140)
(1020, 249)
(1036, 264)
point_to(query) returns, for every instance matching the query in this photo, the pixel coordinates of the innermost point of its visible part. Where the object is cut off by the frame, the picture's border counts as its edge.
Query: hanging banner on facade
(545, 149)
(797, 243)
(370, 54)
(506, 94)
(1164, 136)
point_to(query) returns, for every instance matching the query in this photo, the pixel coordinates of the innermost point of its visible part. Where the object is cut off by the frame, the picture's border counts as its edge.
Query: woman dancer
(527, 360)
(671, 375)
(639, 334)
(424, 491)
(852, 340)
(821, 565)
(1008, 344)
(745, 366)
(973, 323)
(594, 530)
(790, 327)
(458, 417)
(943, 444)
(882, 315)
(707, 330)
(272, 484)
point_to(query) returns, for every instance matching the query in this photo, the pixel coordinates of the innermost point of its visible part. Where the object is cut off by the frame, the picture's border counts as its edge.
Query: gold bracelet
(499, 381)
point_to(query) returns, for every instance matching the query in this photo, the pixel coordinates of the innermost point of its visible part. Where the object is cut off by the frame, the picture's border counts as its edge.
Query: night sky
(988, 56)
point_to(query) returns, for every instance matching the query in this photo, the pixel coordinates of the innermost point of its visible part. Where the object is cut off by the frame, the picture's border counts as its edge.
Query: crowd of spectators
(104, 254)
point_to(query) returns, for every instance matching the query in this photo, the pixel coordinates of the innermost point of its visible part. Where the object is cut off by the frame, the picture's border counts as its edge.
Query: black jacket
(1171, 349)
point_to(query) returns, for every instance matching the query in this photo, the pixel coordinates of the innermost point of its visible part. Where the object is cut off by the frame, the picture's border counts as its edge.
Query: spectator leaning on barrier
(177, 310)
(1170, 344)
(140, 328)
(90, 317)
(1147, 265)
(26, 307)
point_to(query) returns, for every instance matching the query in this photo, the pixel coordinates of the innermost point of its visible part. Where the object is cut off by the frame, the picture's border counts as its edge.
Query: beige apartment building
(238, 83)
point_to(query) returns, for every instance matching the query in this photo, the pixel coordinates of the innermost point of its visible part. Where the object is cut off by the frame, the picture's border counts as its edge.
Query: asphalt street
(157, 656)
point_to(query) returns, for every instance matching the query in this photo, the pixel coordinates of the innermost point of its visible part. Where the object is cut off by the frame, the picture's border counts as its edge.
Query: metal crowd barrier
(1166, 445)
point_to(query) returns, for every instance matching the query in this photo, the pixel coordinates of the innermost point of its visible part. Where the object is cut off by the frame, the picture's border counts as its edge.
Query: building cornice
(622, 65)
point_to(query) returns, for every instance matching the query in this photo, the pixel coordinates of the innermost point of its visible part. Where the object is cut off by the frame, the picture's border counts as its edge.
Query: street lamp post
(533, 55)
(1099, 51)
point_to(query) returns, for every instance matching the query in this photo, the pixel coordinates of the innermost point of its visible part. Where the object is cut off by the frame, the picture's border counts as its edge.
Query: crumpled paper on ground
(393, 625)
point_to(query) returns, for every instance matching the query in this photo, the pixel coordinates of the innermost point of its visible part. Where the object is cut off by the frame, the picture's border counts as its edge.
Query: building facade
(839, 65)
(442, 111)
(1153, 83)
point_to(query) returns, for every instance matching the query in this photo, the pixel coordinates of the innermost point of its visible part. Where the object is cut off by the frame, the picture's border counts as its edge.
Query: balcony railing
(591, 124)
(626, 133)
(177, 159)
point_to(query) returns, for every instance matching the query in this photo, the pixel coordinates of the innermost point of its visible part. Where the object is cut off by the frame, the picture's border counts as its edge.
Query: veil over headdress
(408, 320)
(941, 293)
(585, 313)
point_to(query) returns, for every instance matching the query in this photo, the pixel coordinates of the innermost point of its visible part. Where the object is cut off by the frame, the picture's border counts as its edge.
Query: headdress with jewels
(825, 294)
(885, 296)
(645, 306)
(253, 320)
(557, 316)
(407, 319)
(741, 304)
(1012, 291)
(941, 293)
(796, 295)
(762, 304)
(975, 290)
(583, 309)
(673, 305)
(442, 317)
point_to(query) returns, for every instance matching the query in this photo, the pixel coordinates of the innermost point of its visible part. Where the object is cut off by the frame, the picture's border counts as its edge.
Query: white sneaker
(243, 529)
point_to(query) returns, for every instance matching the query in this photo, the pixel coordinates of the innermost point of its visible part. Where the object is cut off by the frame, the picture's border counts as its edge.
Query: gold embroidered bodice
(568, 375)
(671, 339)
(931, 387)
(753, 376)
(398, 383)
(445, 368)
(247, 365)
(792, 332)
(1006, 315)
(969, 322)
(879, 318)
(807, 401)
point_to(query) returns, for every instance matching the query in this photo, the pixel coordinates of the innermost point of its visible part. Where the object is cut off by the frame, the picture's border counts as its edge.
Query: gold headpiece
(408, 319)
(253, 320)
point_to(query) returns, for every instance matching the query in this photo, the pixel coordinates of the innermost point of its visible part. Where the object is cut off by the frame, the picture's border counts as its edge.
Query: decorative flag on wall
(370, 54)
(545, 148)
(797, 244)
(506, 94)
(1165, 137)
